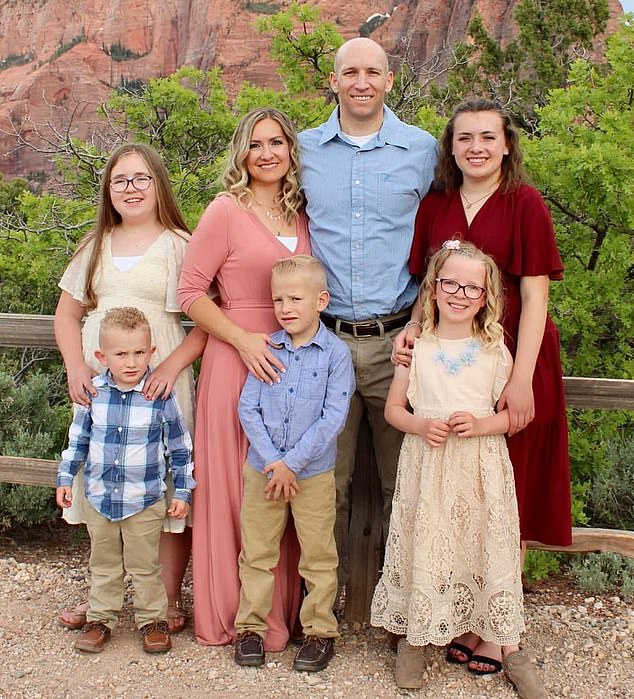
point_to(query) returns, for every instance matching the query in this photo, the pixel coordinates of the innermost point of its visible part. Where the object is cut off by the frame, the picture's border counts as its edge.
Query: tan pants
(129, 545)
(373, 374)
(263, 523)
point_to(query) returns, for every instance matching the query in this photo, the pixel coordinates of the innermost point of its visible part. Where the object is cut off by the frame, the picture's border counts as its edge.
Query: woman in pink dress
(256, 221)
(484, 199)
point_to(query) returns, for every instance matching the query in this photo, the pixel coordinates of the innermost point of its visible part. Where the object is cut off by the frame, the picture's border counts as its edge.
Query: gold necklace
(268, 211)
(469, 204)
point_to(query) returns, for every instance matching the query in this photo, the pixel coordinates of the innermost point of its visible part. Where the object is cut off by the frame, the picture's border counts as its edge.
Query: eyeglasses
(451, 286)
(139, 182)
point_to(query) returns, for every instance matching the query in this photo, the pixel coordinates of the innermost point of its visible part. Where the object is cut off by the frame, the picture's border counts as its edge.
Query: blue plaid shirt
(127, 444)
(361, 205)
(297, 420)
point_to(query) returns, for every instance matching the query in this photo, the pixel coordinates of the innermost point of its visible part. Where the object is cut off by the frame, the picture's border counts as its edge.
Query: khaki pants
(373, 374)
(129, 545)
(263, 523)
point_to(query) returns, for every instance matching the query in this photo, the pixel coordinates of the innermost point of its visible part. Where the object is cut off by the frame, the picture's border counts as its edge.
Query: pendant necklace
(454, 365)
(274, 218)
(469, 204)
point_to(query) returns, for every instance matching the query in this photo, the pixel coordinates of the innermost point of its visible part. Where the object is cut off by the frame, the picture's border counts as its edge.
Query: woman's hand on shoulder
(160, 382)
(80, 387)
(403, 344)
(517, 396)
(258, 359)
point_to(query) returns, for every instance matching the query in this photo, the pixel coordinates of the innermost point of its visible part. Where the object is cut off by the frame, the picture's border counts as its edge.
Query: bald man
(364, 173)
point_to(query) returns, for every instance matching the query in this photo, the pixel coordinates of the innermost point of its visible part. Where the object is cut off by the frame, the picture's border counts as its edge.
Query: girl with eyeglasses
(483, 197)
(132, 257)
(452, 556)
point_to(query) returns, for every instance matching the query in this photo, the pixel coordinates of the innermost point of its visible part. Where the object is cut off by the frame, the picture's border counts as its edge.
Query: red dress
(517, 231)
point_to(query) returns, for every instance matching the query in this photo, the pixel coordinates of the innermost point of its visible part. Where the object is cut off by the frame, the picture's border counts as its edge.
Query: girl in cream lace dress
(452, 559)
(133, 257)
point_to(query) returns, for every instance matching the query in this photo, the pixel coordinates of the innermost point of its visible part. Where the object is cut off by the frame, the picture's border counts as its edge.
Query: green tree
(552, 34)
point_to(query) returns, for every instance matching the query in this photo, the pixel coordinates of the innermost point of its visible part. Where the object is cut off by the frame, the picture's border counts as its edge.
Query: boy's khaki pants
(128, 545)
(263, 523)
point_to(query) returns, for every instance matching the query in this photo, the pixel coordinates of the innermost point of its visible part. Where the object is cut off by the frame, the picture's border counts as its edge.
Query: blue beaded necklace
(454, 365)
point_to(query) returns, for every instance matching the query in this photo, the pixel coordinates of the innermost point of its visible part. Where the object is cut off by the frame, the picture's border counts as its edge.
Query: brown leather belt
(368, 328)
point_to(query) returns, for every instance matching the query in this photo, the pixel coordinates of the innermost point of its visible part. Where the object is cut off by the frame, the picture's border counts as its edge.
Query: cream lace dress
(150, 285)
(452, 554)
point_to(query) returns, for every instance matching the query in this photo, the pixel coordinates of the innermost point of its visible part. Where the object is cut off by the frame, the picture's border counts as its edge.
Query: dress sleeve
(174, 265)
(501, 371)
(205, 253)
(420, 243)
(534, 246)
(73, 280)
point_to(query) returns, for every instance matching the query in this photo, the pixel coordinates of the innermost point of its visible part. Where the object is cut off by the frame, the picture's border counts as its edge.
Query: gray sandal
(522, 674)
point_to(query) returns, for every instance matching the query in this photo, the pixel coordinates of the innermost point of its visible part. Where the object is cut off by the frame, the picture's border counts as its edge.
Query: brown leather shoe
(156, 638)
(249, 649)
(93, 638)
(315, 654)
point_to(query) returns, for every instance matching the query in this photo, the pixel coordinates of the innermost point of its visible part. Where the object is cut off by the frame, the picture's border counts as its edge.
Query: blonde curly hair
(487, 325)
(235, 177)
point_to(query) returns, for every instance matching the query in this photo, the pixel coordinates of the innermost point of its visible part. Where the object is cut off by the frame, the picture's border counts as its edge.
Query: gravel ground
(583, 647)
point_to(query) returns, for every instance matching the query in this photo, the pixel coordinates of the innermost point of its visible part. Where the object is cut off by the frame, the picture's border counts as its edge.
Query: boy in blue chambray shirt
(127, 444)
(292, 428)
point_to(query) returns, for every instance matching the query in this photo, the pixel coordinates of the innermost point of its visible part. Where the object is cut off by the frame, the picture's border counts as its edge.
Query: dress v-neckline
(139, 259)
(477, 213)
(272, 236)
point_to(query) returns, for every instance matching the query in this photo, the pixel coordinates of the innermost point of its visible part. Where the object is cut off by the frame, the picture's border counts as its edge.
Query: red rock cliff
(58, 57)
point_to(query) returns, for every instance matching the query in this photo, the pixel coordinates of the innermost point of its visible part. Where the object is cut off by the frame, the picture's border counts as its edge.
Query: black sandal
(461, 648)
(497, 664)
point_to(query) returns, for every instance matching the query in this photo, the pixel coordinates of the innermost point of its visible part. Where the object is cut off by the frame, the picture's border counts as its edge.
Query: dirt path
(584, 648)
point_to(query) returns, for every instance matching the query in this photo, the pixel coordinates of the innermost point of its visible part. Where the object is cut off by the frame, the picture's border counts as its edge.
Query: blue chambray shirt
(361, 205)
(127, 444)
(297, 420)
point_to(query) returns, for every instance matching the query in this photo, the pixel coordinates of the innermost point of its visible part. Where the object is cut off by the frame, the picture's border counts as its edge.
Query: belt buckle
(367, 325)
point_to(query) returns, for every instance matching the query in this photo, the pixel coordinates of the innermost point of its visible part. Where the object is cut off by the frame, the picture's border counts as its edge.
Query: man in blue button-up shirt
(364, 173)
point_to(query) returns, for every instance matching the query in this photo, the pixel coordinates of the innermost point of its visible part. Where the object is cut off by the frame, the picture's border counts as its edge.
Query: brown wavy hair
(448, 176)
(235, 177)
(108, 217)
(487, 325)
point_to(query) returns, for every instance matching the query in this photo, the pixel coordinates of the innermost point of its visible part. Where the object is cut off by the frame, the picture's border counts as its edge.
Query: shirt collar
(391, 131)
(106, 379)
(320, 338)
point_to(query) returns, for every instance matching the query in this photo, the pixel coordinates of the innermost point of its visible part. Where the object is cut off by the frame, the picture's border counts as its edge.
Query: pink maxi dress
(232, 248)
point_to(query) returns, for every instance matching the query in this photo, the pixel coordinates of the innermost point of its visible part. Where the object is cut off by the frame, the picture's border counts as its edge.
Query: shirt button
(290, 390)
(314, 373)
(357, 181)
(123, 396)
(119, 429)
(286, 419)
(297, 359)
(357, 215)
(116, 490)
(282, 449)
(345, 393)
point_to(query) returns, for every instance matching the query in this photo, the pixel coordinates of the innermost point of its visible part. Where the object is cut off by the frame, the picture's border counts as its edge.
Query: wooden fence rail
(365, 522)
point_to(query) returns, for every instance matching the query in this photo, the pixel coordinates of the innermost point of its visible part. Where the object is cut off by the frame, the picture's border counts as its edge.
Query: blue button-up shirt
(127, 444)
(361, 204)
(297, 420)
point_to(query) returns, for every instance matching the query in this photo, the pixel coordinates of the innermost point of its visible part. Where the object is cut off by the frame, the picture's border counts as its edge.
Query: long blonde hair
(235, 177)
(108, 217)
(487, 323)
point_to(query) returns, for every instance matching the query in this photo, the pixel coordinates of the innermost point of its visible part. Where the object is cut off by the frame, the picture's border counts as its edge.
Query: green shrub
(597, 573)
(30, 427)
(611, 501)
(538, 565)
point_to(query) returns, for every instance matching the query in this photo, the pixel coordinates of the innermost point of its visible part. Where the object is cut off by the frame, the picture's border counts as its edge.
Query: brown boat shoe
(156, 638)
(93, 638)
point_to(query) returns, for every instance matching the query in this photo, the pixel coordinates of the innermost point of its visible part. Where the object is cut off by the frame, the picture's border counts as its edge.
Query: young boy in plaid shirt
(127, 444)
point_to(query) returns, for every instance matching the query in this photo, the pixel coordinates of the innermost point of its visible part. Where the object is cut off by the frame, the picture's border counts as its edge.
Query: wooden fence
(366, 508)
